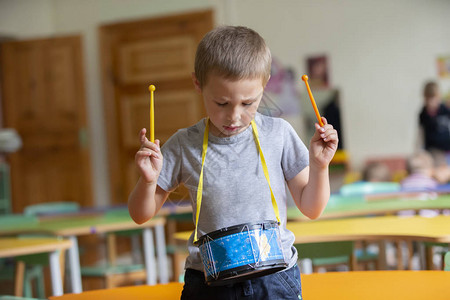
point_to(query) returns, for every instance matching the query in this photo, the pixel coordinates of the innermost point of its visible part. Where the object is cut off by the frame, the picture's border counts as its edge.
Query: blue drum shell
(242, 251)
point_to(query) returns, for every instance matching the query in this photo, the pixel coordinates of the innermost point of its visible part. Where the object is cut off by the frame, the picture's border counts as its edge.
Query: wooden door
(44, 100)
(157, 51)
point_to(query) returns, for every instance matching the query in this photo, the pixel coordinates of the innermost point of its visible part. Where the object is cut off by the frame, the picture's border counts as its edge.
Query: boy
(232, 67)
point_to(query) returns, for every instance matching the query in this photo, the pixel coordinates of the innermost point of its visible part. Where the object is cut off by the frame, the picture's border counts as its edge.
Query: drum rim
(265, 268)
(267, 224)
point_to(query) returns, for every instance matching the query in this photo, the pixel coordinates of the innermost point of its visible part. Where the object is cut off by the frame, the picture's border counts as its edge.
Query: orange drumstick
(313, 102)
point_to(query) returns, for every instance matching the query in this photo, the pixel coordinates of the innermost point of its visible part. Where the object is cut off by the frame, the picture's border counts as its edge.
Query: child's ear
(266, 82)
(196, 83)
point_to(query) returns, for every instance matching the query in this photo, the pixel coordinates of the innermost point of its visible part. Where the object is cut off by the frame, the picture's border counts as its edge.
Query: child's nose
(234, 114)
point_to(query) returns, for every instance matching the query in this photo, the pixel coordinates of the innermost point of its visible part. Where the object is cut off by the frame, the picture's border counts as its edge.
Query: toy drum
(241, 252)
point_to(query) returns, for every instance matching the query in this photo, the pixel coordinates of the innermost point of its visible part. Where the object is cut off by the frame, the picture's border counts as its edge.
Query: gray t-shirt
(235, 190)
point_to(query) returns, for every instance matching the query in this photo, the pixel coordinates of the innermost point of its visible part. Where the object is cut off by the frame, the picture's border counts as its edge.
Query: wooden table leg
(399, 255)
(62, 263)
(382, 255)
(409, 244)
(111, 245)
(429, 257)
(19, 277)
(353, 261)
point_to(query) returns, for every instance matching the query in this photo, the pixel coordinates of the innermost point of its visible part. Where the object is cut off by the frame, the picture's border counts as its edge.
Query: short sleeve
(170, 175)
(295, 156)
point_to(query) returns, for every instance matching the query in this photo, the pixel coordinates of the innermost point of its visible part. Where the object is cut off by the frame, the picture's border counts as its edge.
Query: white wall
(85, 16)
(26, 19)
(380, 52)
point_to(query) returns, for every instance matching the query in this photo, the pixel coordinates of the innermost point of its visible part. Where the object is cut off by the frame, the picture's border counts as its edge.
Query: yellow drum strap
(200, 181)
(266, 171)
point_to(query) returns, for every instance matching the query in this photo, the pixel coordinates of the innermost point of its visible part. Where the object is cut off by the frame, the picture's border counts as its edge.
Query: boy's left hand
(323, 144)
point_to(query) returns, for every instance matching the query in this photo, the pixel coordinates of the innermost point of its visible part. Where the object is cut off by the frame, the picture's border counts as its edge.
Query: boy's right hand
(149, 159)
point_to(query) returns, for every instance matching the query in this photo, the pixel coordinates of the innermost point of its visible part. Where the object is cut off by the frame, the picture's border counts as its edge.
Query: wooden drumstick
(313, 102)
(152, 88)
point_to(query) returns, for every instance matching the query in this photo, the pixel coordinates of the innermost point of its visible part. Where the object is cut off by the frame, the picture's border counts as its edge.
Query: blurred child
(442, 174)
(376, 172)
(420, 169)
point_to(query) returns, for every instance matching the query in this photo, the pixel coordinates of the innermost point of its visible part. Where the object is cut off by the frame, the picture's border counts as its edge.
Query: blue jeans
(283, 285)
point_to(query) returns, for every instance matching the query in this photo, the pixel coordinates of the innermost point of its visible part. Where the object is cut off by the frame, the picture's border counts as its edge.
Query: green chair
(36, 262)
(447, 261)
(364, 188)
(18, 221)
(366, 257)
(338, 253)
(32, 272)
(332, 254)
(430, 250)
(112, 273)
(178, 252)
(338, 199)
(354, 192)
(17, 298)
(115, 275)
(328, 254)
(50, 208)
(5, 192)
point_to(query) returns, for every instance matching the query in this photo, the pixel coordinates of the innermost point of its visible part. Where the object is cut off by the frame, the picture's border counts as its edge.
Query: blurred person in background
(420, 172)
(434, 120)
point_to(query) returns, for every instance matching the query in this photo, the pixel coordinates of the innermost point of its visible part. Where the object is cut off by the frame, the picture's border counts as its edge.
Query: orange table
(152, 292)
(374, 285)
(364, 285)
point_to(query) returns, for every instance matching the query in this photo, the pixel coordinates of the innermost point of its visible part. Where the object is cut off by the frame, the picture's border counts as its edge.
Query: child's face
(432, 104)
(230, 105)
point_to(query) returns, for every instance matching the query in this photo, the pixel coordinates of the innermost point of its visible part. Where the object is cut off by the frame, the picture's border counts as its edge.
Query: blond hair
(234, 52)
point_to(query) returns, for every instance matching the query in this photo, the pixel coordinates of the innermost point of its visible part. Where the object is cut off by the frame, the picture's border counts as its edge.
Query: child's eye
(247, 104)
(221, 104)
